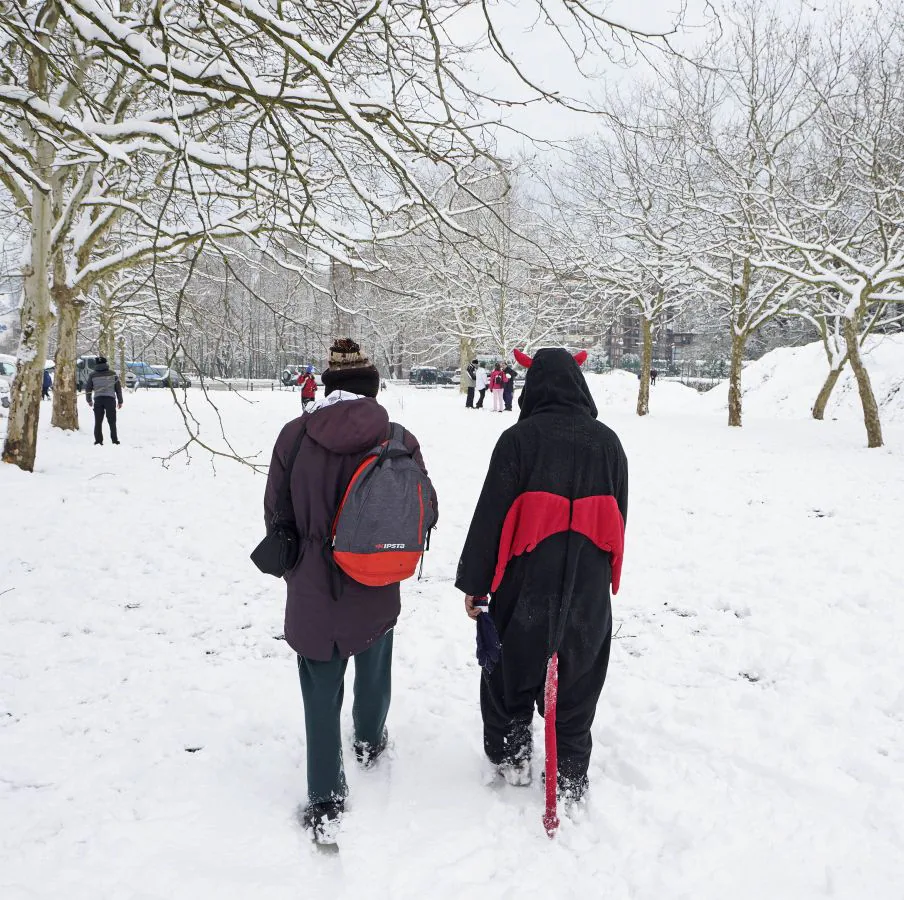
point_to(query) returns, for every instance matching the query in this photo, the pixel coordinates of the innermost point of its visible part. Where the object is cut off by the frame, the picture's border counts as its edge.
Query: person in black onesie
(546, 542)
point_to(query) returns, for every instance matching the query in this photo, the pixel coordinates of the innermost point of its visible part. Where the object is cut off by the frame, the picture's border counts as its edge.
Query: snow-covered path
(749, 743)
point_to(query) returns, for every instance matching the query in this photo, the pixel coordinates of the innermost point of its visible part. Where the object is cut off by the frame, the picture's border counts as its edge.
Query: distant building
(625, 338)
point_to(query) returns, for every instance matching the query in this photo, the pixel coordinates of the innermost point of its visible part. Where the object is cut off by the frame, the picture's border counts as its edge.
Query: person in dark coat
(104, 392)
(546, 542)
(508, 392)
(330, 617)
(46, 384)
(470, 380)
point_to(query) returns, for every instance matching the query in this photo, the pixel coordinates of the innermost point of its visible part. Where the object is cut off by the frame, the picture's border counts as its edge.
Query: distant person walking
(307, 381)
(653, 376)
(46, 384)
(482, 382)
(469, 379)
(508, 392)
(104, 387)
(497, 386)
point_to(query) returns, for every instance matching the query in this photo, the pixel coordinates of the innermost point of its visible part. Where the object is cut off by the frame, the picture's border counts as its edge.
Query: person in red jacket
(308, 384)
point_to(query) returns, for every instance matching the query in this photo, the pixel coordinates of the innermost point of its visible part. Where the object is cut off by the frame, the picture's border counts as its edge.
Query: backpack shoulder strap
(397, 432)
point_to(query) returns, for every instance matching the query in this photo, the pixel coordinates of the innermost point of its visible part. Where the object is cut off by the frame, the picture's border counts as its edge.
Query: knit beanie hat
(350, 370)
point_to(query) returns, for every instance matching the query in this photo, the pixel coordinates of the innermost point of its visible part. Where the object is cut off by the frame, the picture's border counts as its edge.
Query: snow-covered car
(145, 376)
(7, 373)
(172, 377)
(424, 375)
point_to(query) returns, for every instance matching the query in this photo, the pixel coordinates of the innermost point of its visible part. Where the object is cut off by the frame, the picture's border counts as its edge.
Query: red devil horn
(522, 359)
(581, 357)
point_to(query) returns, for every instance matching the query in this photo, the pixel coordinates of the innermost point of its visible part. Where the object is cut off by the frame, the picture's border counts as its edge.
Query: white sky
(540, 51)
(546, 60)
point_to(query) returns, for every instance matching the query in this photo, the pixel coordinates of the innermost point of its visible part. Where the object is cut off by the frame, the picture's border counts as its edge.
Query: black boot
(367, 754)
(323, 820)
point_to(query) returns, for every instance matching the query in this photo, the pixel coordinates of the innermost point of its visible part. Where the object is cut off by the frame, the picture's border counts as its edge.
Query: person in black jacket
(107, 398)
(470, 377)
(546, 541)
(508, 392)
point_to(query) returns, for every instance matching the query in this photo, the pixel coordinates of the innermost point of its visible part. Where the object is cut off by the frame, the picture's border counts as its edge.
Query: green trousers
(322, 690)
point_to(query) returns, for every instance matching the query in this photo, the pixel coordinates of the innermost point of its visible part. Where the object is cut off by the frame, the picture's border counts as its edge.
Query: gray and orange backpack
(382, 526)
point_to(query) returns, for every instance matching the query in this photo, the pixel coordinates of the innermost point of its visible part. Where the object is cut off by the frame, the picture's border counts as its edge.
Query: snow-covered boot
(516, 772)
(323, 820)
(367, 754)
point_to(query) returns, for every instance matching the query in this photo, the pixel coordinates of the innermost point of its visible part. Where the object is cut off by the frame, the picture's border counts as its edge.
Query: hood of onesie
(555, 384)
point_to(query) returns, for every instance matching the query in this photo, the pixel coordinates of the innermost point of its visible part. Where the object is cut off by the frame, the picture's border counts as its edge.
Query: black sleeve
(89, 387)
(118, 388)
(500, 490)
(621, 482)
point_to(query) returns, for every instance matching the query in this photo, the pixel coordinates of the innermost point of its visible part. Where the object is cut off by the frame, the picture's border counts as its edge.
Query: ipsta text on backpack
(383, 524)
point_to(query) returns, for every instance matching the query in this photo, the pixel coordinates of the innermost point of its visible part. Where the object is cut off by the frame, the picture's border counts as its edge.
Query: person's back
(329, 616)
(338, 434)
(546, 541)
(104, 392)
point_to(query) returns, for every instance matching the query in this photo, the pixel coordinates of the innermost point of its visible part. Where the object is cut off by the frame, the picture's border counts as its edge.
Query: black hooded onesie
(546, 541)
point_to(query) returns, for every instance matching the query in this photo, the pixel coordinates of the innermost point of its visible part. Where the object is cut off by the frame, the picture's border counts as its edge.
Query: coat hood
(555, 384)
(353, 426)
(101, 368)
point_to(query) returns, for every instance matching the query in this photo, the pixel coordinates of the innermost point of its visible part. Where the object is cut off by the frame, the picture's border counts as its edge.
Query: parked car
(172, 377)
(424, 375)
(145, 376)
(84, 366)
(7, 373)
(290, 374)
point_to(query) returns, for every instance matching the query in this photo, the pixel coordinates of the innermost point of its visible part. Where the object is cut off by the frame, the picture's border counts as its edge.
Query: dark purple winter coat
(324, 607)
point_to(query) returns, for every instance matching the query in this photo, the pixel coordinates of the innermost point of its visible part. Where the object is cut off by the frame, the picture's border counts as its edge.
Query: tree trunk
(646, 365)
(466, 351)
(864, 386)
(734, 379)
(107, 340)
(825, 392)
(21, 442)
(65, 395)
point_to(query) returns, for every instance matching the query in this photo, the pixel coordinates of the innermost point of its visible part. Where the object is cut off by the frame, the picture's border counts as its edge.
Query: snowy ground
(749, 743)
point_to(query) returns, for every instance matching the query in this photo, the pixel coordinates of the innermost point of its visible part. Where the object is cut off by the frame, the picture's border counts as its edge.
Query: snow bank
(785, 382)
(617, 390)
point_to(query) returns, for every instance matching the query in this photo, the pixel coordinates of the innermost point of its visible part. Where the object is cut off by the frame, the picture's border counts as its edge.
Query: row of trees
(231, 183)
(139, 139)
(757, 188)
(764, 182)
